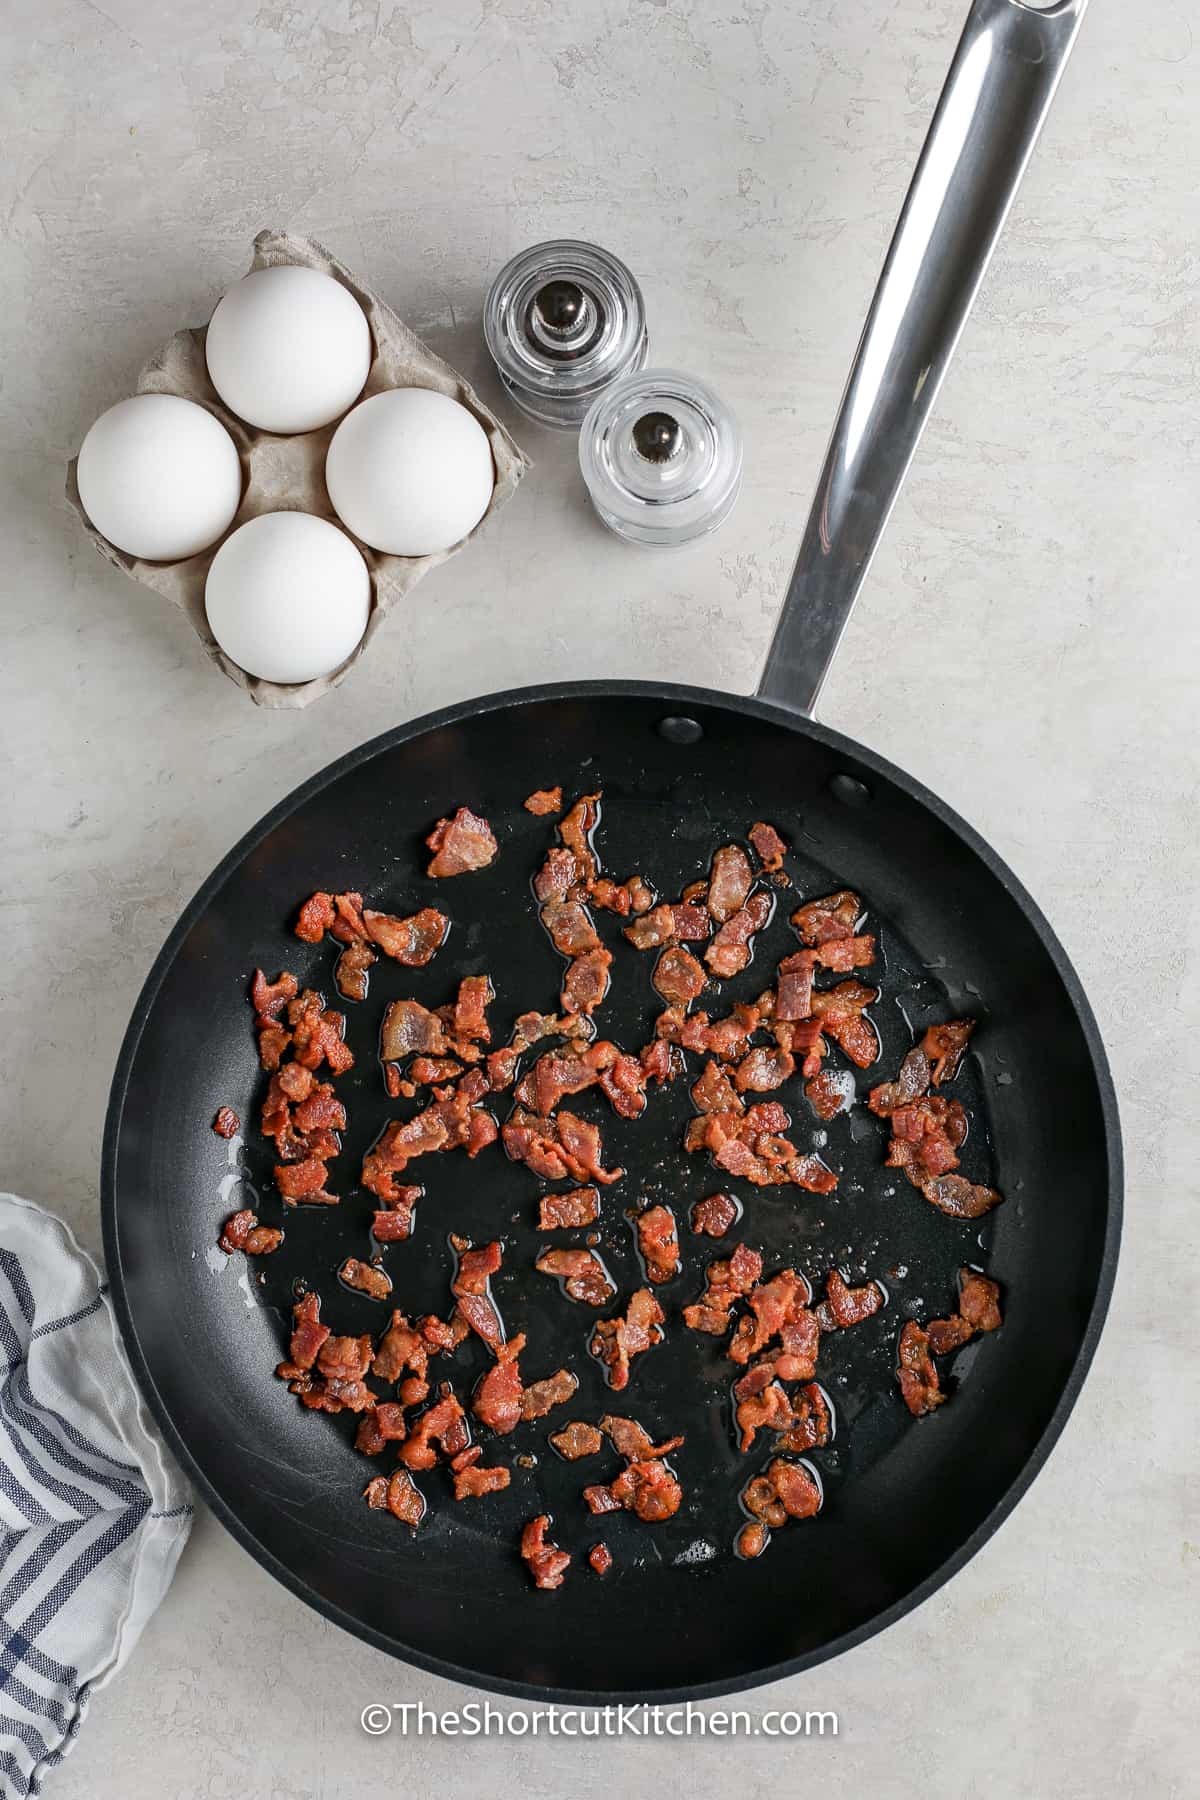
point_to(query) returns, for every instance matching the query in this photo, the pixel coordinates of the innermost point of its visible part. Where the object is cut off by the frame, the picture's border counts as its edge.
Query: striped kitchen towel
(93, 1512)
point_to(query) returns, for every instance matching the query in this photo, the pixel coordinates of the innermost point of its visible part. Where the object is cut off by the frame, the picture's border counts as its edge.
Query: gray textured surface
(1028, 646)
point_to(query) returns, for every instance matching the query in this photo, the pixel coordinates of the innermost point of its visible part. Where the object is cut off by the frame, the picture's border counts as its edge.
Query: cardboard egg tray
(288, 473)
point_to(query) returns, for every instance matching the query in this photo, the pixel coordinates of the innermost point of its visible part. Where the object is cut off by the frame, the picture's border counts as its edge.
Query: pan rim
(750, 706)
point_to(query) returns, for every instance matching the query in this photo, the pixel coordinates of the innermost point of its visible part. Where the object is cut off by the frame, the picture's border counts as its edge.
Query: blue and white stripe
(93, 1513)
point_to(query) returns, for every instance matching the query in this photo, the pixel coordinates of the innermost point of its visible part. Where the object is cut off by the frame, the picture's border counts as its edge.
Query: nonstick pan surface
(906, 1502)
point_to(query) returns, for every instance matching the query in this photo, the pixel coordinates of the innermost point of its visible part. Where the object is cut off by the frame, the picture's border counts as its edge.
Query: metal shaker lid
(563, 320)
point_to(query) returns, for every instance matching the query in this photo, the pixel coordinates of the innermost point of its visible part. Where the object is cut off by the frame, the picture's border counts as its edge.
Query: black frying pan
(682, 770)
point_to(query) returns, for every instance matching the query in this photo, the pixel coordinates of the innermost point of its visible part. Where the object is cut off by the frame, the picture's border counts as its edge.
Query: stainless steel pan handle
(997, 94)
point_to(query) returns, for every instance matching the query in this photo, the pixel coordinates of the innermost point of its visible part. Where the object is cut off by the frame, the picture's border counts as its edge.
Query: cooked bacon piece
(812, 1423)
(793, 992)
(242, 1231)
(269, 998)
(399, 1493)
(553, 1075)
(460, 845)
(839, 1011)
(978, 1300)
(633, 1441)
(581, 1273)
(304, 1181)
(497, 1399)
(911, 1083)
(658, 1242)
(761, 1407)
(944, 1047)
(716, 1215)
(586, 982)
(797, 1488)
(752, 1539)
(919, 1386)
(401, 1348)
(569, 924)
(779, 1308)
(395, 1222)
(400, 1143)
(763, 1070)
(273, 1040)
(352, 969)
(632, 896)
(616, 1341)
(308, 1334)
(345, 1358)
(600, 1499)
(927, 1135)
(960, 1198)
(647, 1489)
(540, 1397)
(316, 916)
(557, 1212)
(556, 877)
(751, 1145)
(601, 1558)
(945, 1335)
(769, 847)
(469, 1017)
(544, 800)
(729, 952)
(713, 1091)
(412, 942)
(557, 1148)
(320, 1110)
(658, 1061)
(576, 1439)
(445, 1424)
(844, 1306)
(444, 1334)
(834, 916)
(226, 1124)
(802, 1038)
(727, 1280)
(376, 1283)
(653, 929)
(729, 882)
(846, 953)
(576, 831)
(678, 977)
(471, 1481)
(623, 1083)
(317, 1034)
(830, 1092)
(433, 1071)
(382, 1425)
(546, 1562)
(471, 1290)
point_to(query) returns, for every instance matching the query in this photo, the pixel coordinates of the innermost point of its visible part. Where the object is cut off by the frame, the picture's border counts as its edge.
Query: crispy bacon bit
(226, 1124)
(919, 1386)
(576, 1439)
(471, 1481)
(581, 1273)
(911, 1083)
(839, 1011)
(678, 977)
(412, 942)
(616, 1341)
(460, 845)
(305, 1181)
(716, 1215)
(844, 1306)
(944, 1047)
(834, 916)
(540, 1397)
(600, 1557)
(793, 993)
(395, 1222)
(727, 1280)
(960, 1198)
(576, 832)
(729, 882)
(376, 1283)
(546, 1562)
(658, 1061)
(785, 1490)
(268, 998)
(570, 926)
(557, 1148)
(401, 1348)
(400, 1494)
(760, 1406)
(812, 1422)
(586, 982)
(242, 1231)
(763, 1070)
(556, 877)
(308, 1334)
(750, 1144)
(978, 1300)
(632, 896)
(779, 1308)
(729, 952)
(497, 1399)
(658, 1242)
(653, 929)
(316, 916)
(472, 1291)
(407, 1027)
(647, 1489)
(444, 1424)
(830, 1092)
(352, 969)
(633, 1441)
(768, 846)
(544, 800)
(751, 1540)
(557, 1212)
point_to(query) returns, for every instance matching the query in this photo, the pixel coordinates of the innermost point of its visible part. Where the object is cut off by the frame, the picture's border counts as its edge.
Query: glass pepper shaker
(661, 455)
(563, 321)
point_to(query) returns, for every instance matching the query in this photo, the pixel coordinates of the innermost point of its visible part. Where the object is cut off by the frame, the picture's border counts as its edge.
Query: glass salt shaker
(563, 321)
(661, 455)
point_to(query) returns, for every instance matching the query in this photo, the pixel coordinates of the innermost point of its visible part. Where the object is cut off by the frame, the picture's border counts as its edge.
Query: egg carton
(282, 474)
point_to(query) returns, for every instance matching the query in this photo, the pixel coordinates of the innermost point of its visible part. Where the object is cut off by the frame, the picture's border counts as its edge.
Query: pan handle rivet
(850, 790)
(679, 730)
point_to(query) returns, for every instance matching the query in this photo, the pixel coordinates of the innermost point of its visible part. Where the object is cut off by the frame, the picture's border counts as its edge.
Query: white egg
(288, 349)
(410, 472)
(287, 597)
(159, 477)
